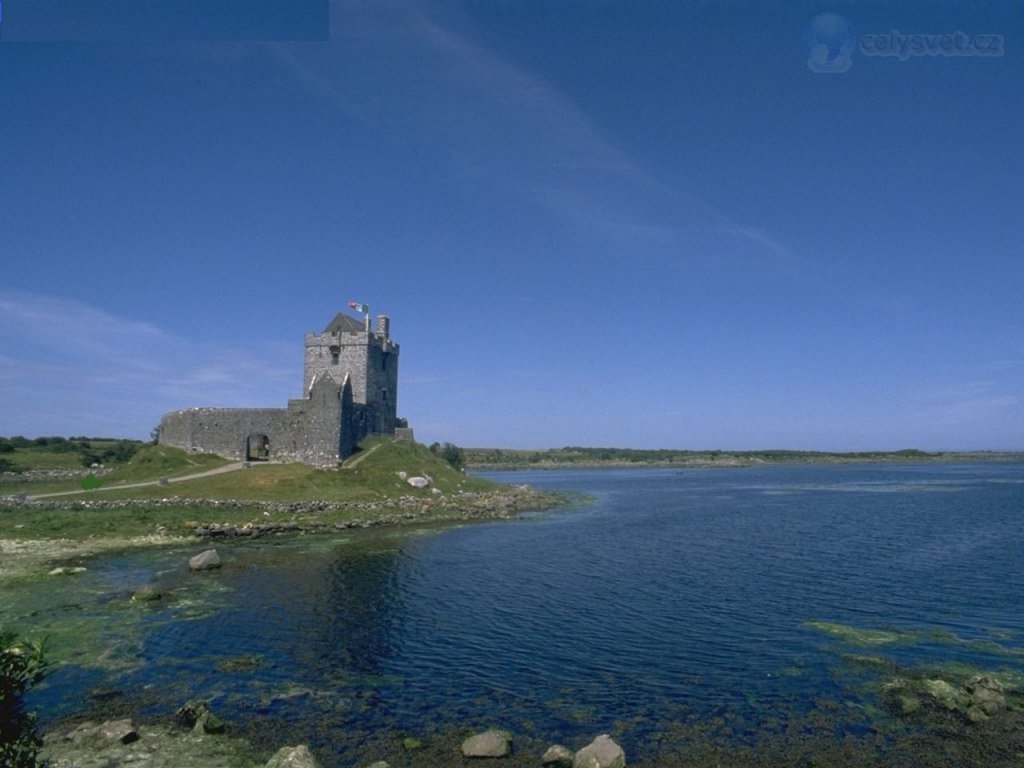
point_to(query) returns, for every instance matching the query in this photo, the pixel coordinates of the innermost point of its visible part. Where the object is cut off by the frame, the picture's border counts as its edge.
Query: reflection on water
(669, 595)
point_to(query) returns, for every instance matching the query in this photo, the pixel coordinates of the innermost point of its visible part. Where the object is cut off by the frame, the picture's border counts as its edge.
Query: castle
(351, 391)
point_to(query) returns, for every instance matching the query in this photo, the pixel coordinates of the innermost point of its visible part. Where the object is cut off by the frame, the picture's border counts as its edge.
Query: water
(669, 596)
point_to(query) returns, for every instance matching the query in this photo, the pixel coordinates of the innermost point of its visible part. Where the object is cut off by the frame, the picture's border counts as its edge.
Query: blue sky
(643, 224)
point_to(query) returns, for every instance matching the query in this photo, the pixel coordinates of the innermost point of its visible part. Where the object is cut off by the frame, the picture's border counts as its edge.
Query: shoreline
(29, 555)
(738, 461)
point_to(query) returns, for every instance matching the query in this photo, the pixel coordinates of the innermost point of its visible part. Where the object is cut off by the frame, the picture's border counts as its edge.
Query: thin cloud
(497, 121)
(72, 367)
(968, 402)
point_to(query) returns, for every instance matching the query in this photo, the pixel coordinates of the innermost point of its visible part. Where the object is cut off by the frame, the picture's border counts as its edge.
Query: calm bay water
(666, 596)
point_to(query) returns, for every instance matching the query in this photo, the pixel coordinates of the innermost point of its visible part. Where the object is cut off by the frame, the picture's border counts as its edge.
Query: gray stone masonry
(350, 389)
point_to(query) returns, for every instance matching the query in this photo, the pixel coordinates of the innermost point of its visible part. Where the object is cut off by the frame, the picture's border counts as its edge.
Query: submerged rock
(944, 693)
(492, 743)
(205, 561)
(602, 752)
(986, 698)
(293, 757)
(558, 756)
(146, 594)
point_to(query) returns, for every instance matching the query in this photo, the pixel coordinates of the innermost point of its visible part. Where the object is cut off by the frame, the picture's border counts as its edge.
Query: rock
(418, 482)
(100, 736)
(146, 594)
(986, 695)
(558, 757)
(66, 570)
(908, 704)
(119, 730)
(205, 561)
(379, 764)
(207, 722)
(197, 716)
(492, 743)
(410, 743)
(602, 752)
(402, 476)
(943, 692)
(293, 757)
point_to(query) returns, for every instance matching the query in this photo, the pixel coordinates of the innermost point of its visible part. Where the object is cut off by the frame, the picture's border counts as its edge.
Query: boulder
(944, 693)
(602, 752)
(379, 764)
(197, 716)
(100, 736)
(492, 743)
(986, 695)
(205, 561)
(207, 722)
(558, 756)
(418, 482)
(293, 757)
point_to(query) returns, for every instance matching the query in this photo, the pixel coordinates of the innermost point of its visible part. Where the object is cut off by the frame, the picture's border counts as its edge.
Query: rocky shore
(28, 553)
(501, 503)
(199, 739)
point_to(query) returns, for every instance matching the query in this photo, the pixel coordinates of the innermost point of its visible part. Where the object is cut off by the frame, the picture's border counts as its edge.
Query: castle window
(384, 395)
(384, 362)
(334, 358)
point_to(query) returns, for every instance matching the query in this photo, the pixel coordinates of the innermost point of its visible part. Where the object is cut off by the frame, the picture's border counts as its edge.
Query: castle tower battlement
(368, 358)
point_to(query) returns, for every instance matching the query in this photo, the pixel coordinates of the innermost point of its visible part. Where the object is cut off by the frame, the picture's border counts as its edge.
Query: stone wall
(309, 430)
(350, 391)
(370, 360)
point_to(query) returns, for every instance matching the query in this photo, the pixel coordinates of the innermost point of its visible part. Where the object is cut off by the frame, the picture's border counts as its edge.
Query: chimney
(383, 326)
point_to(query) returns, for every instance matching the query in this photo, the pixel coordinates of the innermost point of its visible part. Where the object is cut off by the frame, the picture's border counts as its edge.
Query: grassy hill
(370, 487)
(373, 473)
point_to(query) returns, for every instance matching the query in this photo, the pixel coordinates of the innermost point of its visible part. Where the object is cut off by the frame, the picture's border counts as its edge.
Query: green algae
(862, 637)
(868, 638)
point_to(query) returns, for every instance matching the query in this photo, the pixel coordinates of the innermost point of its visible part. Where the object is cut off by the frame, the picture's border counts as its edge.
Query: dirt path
(234, 467)
(359, 459)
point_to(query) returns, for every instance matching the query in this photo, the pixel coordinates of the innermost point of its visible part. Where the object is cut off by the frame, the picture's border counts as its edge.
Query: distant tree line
(580, 455)
(91, 450)
(451, 453)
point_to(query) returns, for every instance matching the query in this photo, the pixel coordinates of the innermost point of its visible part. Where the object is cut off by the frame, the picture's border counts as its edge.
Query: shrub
(22, 665)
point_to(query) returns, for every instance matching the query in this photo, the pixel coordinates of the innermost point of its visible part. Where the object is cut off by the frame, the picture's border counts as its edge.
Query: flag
(361, 308)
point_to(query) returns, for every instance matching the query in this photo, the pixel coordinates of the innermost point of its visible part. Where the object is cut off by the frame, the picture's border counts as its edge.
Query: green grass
(375, 478)
(150, 463)
(155, 461)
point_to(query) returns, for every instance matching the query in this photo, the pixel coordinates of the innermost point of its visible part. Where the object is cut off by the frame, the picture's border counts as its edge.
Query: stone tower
(370, 360)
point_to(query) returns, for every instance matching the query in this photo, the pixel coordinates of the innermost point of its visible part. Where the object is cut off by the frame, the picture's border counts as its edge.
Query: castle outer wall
(351, 387)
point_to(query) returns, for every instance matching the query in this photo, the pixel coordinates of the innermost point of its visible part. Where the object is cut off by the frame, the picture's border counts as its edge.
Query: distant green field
(499, 458)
